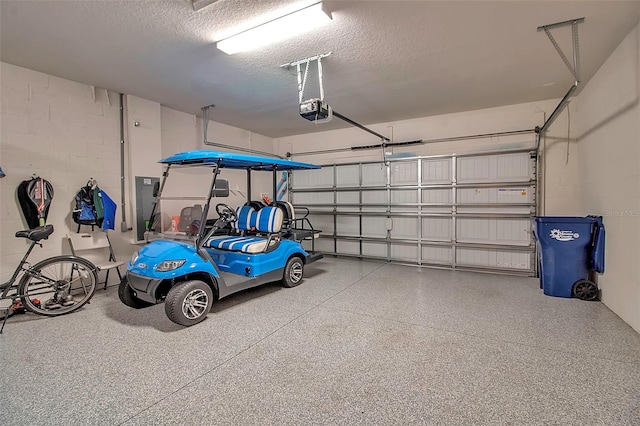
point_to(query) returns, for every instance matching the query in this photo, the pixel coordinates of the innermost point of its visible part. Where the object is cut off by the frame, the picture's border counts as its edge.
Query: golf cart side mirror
(221, 188)
(156, 189)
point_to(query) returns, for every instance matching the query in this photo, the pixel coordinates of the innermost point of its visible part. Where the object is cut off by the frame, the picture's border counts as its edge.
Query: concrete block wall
(67, 132)
(63, 131)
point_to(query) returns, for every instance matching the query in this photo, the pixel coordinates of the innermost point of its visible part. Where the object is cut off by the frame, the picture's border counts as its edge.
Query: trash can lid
(564, 219)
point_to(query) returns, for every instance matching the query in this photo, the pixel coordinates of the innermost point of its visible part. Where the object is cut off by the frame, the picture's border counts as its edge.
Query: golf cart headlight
(134, 257)
(170, 265)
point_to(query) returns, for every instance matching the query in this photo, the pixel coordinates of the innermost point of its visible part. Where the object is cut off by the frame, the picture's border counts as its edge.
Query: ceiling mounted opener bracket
(574, 69)
(314, 109)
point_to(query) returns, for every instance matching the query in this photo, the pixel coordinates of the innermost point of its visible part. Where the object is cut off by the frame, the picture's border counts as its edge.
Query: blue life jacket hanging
(85, 212)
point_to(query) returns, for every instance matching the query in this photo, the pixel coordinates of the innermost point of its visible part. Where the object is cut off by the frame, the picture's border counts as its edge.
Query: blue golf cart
(200, 250)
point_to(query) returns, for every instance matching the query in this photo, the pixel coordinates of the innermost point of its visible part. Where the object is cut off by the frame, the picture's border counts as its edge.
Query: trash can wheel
(585, 290)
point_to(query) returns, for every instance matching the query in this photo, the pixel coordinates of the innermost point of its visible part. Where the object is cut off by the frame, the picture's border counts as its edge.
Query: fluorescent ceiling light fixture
(286, 26)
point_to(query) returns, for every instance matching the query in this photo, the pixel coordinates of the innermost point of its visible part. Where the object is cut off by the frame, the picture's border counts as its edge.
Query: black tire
(189, 302)
(58, 285)
(585, 290)
(125, 293)
(293, 272)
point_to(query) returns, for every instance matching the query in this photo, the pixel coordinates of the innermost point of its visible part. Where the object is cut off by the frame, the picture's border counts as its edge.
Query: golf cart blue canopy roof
(232, 160)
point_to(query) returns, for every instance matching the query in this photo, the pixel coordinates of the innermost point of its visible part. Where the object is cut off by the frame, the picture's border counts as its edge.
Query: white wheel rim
(295, 274)
(195, 303)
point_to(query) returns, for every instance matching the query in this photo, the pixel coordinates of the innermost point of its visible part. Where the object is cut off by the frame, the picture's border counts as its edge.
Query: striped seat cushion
(246, 219)
(242, 244)
(269, 219)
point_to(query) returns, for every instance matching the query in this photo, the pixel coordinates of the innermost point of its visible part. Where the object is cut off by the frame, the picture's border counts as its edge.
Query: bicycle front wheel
(58, 285)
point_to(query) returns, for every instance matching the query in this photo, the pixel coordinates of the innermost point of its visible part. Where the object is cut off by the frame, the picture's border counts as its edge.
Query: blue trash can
(568, 249)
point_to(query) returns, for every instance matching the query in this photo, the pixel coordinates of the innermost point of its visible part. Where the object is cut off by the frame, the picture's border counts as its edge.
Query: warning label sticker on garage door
(512, 192)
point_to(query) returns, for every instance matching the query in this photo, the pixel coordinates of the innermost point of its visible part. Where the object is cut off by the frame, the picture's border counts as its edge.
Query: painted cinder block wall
(63, 131)
(67, 132)
(609, 172)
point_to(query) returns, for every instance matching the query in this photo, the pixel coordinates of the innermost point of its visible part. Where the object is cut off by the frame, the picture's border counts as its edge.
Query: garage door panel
(322, 222)
(348, 225)
(348, 247)
(351, 197)
(436, 171)
(522, 195)
(436, 228)
(312, 198)
(502, 167)
(374, 249)
(374, 174)
(525, 210)
(324, 245)
(374, 227)
(374, 197)
(494, 258)
(434, 254)
(404, 173)
(317, 178)
(474, 212)
(348, 176)
(405, 227)
(404, 252)
(433, 196)
(405, 196)
(494, 231)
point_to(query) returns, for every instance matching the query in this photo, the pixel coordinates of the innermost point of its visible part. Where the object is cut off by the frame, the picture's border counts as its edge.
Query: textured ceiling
(391, 60)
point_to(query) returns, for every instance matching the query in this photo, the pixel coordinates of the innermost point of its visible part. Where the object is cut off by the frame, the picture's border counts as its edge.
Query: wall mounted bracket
(574, 69)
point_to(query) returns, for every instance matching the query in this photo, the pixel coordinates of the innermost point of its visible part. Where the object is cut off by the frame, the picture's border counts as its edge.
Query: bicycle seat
(36, 234)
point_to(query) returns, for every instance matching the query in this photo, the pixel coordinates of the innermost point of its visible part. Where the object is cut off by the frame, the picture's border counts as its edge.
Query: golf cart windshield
(187, 197)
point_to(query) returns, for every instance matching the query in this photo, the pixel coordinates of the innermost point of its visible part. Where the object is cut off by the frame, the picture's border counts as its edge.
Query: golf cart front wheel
(293, 272)
(125, 293)
(585, 290)
(189, 302)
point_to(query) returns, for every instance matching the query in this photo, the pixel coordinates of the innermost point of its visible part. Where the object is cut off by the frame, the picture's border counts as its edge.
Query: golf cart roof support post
(205, 211)
(248, 184)
(205, 127)
(275, 185)
(165, 173)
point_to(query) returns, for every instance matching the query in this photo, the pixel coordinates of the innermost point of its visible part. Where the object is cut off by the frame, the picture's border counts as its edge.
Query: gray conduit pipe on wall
(123, 225)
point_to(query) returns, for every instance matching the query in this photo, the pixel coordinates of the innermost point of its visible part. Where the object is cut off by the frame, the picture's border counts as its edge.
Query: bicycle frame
(8, 285)
(11, 284)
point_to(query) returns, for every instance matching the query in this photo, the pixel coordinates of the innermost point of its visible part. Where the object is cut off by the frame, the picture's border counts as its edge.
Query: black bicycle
(55, 286)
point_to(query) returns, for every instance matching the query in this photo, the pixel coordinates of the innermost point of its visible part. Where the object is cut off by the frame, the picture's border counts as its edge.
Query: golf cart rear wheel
(293, 272)
(125, 293)
(189, 302)
(585, 290)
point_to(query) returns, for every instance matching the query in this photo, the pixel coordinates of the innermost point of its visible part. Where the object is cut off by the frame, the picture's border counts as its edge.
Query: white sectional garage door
(464, 212)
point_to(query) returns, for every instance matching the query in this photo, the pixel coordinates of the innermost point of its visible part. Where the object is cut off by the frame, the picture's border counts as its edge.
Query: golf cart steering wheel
(226, 213)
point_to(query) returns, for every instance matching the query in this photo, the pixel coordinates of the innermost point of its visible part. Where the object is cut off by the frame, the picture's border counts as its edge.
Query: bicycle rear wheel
(58, 285)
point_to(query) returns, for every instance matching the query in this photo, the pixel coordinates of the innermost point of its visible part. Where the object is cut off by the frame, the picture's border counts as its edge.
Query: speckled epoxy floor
(357, 343)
